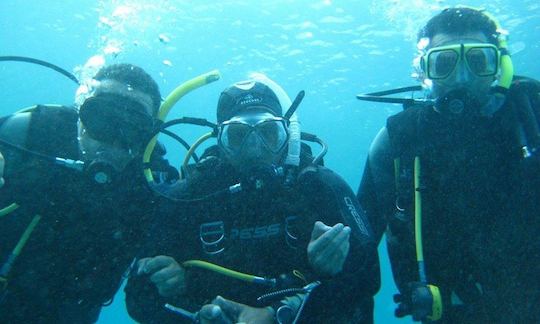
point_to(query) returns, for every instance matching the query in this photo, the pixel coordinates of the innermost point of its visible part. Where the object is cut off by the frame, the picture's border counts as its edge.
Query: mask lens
(441, 63)
(135, 127)
(273, 133)
(232, 135)
(482, 61)
(115, 118)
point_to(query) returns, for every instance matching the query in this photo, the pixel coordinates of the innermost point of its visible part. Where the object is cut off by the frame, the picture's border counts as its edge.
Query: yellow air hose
(507, 68)
(167, 105)
(228, 272)
(6, 210)
(436, 302)
(418, 220)
(194, 147)
(26, 235)
(6, 267)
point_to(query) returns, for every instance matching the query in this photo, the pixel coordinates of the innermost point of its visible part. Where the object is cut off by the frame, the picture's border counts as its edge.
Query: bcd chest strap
(408, 141)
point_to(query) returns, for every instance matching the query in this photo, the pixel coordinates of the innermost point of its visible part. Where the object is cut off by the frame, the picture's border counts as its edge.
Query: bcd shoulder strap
(525, 96)
(403, 130)
(406, 141)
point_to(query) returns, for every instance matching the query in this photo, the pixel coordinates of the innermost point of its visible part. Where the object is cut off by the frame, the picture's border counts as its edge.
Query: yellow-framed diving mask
(481, 59)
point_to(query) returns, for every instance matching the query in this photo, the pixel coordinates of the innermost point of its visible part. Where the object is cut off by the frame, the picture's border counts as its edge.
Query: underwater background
(331, 49)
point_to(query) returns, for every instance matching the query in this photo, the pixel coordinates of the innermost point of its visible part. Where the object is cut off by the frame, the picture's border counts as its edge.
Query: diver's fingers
(210, 314)
(157, 263)
(241, 313)
(329, 259)
(319, 228)
(141, 265)
(229, 307)
(339, 255)
(172, 270)
(320, 243)
(213, 314)
(171, 287)
(338, 244)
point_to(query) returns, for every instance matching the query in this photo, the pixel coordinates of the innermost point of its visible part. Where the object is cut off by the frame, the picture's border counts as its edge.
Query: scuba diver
(258, 231)
(76, 201)
(454, 181)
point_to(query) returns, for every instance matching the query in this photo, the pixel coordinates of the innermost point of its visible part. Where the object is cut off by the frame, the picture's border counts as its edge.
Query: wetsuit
(481, 201)
(88, 234)
(263, 232)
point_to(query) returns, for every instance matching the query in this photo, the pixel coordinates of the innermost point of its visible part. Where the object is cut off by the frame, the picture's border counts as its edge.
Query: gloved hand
(416, 300)
(328, 248)
(165, 273)
(223, 311)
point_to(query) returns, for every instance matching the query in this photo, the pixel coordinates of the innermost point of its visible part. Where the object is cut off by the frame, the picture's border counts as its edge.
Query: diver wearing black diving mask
(253, 143)
(115, 124)
(250, 180)
(74, 198)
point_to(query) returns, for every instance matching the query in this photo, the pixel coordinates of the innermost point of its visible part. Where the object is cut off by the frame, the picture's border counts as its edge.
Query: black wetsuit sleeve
(14, 130)
(349, 294)
(376, 193)
(144, 303)
(30, 131)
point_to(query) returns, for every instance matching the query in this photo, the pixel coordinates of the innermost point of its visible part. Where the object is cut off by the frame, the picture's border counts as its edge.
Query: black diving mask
(114, 118)
(270, 131)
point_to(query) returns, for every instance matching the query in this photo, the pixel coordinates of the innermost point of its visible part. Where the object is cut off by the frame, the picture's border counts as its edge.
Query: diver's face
(108, 139)
(253, 140)
(462, 77)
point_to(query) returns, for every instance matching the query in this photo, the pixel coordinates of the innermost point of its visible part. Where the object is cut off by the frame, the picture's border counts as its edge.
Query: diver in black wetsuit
(291, 227)
(72, 225)
(462, 166)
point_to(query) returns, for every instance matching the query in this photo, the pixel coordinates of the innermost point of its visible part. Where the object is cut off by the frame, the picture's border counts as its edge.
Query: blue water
(331, 49)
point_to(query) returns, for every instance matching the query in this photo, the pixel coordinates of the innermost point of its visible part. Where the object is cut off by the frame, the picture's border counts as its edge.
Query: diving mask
(270, 131)
(110, 118)
(481, 59)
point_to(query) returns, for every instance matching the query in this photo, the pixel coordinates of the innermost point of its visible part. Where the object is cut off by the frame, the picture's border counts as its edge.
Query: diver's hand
(328, 248)
(213, 314)
(2, 163)
(165, 273)
(225, 311)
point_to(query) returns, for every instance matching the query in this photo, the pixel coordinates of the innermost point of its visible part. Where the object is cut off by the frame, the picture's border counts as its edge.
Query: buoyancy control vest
(469, 168)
